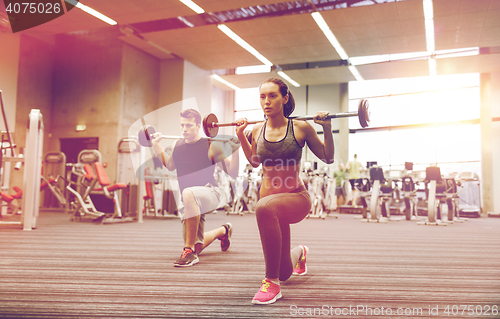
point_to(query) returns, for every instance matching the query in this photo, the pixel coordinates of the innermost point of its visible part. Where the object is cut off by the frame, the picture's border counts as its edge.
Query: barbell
(211, 123)
(146, 132)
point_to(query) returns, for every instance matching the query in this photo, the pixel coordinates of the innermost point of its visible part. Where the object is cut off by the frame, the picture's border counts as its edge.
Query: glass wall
(423, 120)
(247, 104)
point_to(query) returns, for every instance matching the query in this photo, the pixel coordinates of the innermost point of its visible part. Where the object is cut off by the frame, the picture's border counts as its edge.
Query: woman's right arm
(248, 148)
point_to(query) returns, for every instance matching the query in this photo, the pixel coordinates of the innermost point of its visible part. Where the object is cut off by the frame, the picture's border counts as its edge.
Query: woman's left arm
(323, 150)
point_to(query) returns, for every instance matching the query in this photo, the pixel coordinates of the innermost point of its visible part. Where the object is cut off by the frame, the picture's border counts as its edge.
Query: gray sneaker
(188, 258)
(225, 241)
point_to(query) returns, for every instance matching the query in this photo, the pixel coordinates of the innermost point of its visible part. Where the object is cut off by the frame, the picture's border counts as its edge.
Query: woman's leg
(274, 215)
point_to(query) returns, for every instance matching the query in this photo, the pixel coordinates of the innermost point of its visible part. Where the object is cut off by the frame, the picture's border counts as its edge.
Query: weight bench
(110, 191)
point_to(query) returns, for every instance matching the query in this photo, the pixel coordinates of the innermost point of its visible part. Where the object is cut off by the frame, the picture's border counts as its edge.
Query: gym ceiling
(285, 33)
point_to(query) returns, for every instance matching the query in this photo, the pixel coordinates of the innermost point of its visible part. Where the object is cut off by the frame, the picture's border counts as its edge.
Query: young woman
(277, 144)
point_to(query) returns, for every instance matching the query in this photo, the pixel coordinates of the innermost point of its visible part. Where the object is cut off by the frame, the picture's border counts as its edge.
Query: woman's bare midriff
(280, 179)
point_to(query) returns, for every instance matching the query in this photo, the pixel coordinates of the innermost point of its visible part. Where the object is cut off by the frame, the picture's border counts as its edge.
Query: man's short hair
(192, 113)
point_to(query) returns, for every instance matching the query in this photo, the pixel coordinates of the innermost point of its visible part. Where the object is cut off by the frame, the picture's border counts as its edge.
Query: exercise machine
(30, 196)
(409, 192)
(436, 198)
(247, 188)
(240, 198)
(469, 203)
(316, 190)
(158, 200)
(330, 199)
(54, 167)
(381, 196)
(128, 154)
(110, 191)
(80, 204)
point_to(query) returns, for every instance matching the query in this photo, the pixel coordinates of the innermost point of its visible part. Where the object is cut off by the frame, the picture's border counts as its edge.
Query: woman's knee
(263, 210)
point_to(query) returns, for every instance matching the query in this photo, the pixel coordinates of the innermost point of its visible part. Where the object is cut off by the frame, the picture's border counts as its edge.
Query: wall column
(486, 144)
(342, 148)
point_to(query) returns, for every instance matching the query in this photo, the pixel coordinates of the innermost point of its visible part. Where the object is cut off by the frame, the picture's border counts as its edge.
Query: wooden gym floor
(69, 269)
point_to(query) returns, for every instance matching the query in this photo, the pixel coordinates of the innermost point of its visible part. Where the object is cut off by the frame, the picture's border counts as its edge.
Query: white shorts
(208, 198)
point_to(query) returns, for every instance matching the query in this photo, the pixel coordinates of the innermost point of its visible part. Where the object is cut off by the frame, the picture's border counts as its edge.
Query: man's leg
(351, 195)
(191, 218)
(194, 221)
(209, 237)
(356, 193)
(191, 224)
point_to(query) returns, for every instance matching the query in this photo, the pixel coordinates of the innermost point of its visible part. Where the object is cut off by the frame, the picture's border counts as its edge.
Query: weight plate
(145, 135)
(208, 128)
(364, 113)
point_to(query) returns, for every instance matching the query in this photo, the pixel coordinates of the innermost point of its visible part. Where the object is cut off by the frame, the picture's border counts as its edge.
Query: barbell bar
(211, 124)
(146, 132)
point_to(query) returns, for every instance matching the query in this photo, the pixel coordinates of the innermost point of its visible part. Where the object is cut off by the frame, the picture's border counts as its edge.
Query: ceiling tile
(446, 23)
(358, 15)
(494, 5)
(471, 6)
(365, 32)
(444, 8)
(192, 44)
(492, 18)
(384, 12)
(410, 9)
(413, 26)
(490, 37)
(290, 34)
(389, 29)
(471, 20)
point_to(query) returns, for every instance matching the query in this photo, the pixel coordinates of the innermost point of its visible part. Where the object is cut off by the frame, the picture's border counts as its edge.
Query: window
(421, 120)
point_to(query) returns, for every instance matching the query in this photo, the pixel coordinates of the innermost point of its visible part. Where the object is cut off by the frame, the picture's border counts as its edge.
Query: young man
(194, 158)
(354, 168)
(340, 177)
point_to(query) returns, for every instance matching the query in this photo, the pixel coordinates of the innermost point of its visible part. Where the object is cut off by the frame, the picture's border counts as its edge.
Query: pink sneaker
(301, 267)
(269, 292)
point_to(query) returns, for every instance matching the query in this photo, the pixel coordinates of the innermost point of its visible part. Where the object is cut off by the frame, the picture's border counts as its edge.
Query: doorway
(71, 147)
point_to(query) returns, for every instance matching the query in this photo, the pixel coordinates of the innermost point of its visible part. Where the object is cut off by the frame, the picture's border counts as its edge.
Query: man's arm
(167, 160)
(230, 166)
